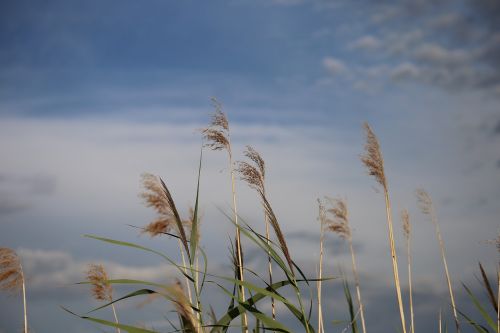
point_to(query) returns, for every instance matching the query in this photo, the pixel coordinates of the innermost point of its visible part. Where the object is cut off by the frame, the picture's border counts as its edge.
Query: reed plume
(101, 288)
(337, 221)
(427, 207)
(374, 162)
(12, 277)
(405, 218)
(217, 137)
(157, 196)
(254, 175)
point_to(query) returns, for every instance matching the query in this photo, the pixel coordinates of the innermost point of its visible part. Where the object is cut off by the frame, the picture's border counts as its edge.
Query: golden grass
(405, 218)
(374, 162)
(427, 208)
(12, 277)
(101, 288)
(217, 137)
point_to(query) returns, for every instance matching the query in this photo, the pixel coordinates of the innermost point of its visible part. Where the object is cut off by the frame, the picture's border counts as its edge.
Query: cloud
(405, 71)
(17, 191)
(52, 273)
(366, 43)
(334, 66)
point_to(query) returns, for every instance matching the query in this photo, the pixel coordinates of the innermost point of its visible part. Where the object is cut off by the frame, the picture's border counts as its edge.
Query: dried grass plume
(216, 134)
(372, 158)
(101, 289)
(336, 218)
(11, 274)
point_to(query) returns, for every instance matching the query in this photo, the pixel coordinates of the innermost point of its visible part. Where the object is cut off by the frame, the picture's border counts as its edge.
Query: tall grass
(374, 162)
(427, 207)
(250, 298)
(12, 278)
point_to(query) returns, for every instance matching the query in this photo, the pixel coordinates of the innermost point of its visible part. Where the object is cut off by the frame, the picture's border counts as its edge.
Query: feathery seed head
(334, 216)
(253, 175)
(156, 197)
(254, 156)
(372, 158)
(217, 133)
(101, 289)
(405, 217)
(11, 274)
(424, 201)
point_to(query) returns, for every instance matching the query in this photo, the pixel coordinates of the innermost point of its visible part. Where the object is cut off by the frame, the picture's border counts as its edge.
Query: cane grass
(407, 231)
(337, 221)
(374, 162)
(217, 137)
(101, 288)
(427, 207)
(12, 278)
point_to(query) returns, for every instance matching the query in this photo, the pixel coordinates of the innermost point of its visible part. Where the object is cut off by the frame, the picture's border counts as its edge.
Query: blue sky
(93, 93)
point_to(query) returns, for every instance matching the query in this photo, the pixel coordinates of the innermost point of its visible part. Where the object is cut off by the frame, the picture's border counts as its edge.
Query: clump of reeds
(335, 219)
(101, 288)
(374, 162)
(217, 137)
(12, 277)
(427, 207)
(157, 196)
(405, 218)
(255, 175)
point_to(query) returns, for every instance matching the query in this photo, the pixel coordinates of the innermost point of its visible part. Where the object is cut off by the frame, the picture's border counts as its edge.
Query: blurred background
(94, 93)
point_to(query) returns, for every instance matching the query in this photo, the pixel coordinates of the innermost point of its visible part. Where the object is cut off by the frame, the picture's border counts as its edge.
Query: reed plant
(374, 163)
(101, 288)
(405, 218)
(245, 297)
(427, 207)
(12, 278)
(336, 220)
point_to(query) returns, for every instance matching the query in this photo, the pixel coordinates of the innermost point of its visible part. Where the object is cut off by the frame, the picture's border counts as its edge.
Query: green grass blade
(491, 323)
(352, 313)
(194, 238)
(478, 327)
(248, 307)
(127, 328)
(132, 294)
(140, 247)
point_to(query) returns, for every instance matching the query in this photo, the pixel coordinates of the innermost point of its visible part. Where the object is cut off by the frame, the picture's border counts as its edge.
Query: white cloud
(366, 43)
(334, 66)
(438, 55)
(49, 270)
(405, 71)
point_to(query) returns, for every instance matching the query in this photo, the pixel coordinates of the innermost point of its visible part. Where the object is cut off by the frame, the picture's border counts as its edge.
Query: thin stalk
(498, 302)
(241, 289)
(408, 251)
(188, 287)
(443, 256)
(440, 322)
(356, 281)
(269, 266)
(24, 301)
(394, 258)
(116, 317)
(319, 283)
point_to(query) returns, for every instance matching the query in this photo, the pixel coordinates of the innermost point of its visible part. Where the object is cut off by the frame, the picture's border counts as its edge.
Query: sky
(95, 93)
